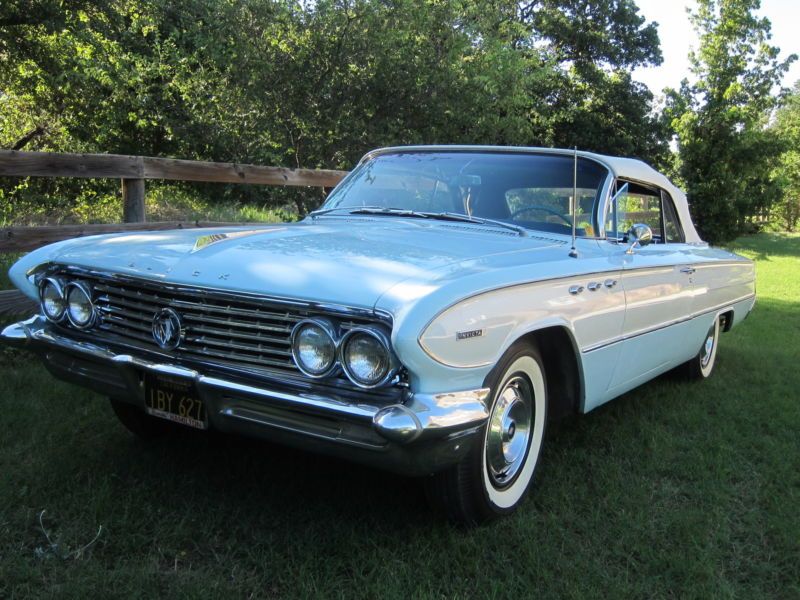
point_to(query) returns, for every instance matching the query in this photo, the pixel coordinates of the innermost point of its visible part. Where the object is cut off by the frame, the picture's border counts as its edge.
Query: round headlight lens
(366, 358)
(314, 348)
(80, 309)
(52, 299)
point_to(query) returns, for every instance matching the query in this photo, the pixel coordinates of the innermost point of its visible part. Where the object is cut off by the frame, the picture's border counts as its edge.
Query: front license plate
(175, 399)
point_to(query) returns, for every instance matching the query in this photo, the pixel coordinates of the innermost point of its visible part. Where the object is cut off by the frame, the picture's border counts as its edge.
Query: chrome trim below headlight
(393, 364)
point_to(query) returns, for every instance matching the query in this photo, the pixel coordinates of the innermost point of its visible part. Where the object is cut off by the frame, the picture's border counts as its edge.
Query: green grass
(674, 490)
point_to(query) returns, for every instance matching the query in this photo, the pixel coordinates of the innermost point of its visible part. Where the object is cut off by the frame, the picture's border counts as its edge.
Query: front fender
(477, 332)
(461, 344)
(20, 271)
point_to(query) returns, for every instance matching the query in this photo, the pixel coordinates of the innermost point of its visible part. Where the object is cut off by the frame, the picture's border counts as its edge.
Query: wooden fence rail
(14, 303)
(117, 166)
(132, 171)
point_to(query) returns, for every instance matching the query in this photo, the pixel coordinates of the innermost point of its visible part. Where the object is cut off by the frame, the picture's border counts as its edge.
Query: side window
(636, 204)
(672, 226)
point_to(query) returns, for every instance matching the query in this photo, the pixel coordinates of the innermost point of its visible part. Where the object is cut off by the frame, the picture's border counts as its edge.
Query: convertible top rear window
(529, 190)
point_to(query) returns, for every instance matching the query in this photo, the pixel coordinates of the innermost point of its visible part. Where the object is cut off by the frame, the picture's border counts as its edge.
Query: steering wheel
(543, 209)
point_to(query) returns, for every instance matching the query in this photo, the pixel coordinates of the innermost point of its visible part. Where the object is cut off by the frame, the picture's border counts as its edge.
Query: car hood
(335, 260)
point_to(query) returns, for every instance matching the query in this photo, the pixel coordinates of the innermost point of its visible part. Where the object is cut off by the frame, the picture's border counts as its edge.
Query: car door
(657, 283)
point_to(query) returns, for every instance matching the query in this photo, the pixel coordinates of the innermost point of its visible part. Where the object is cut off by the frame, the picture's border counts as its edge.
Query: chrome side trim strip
(641, 332)
(591, 274)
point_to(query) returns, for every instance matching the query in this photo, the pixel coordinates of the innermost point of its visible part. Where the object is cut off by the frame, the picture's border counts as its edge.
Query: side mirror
(639, 236)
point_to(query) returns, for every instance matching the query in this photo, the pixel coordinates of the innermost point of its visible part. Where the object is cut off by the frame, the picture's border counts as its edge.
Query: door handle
(688, 270)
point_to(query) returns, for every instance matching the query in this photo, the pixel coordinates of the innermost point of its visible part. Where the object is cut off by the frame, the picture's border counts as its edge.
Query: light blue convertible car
(429, 318)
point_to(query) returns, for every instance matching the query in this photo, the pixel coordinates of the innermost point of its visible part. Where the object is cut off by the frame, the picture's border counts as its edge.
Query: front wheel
(493, 478)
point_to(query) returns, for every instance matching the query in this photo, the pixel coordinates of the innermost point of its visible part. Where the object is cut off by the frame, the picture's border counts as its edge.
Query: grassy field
(674, 490)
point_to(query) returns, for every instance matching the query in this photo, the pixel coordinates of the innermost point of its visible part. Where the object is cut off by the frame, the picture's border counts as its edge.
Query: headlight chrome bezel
(59, 288)
(339, 341)
(331, 332)
(84, 289)
(392, 364)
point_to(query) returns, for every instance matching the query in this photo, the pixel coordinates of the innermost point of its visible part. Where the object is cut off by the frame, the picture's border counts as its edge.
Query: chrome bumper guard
(426, 433)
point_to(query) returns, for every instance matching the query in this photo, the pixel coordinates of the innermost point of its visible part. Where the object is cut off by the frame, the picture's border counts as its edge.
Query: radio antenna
(573, 251)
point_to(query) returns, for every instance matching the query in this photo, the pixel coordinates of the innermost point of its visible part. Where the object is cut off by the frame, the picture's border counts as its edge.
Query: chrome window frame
(654, 186)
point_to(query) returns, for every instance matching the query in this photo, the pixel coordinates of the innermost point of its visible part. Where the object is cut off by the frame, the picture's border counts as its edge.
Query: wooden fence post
(133, 201)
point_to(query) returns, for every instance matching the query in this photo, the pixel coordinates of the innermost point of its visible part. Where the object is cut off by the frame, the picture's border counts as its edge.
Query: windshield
(528, 190)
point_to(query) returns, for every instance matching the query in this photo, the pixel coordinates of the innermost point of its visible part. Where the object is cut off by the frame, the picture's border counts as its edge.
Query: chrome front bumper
(426, 433)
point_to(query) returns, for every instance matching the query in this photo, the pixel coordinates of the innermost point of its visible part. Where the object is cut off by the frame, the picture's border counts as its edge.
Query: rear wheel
(137, 421)
(702, 365)
(494, 477)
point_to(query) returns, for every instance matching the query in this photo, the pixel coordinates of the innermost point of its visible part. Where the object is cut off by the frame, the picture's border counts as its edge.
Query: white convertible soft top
(627, 168)
(638, 170)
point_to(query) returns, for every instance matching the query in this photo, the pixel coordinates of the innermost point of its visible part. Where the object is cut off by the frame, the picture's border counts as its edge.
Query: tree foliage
(727, 154)
(787, 173)
(317, 84)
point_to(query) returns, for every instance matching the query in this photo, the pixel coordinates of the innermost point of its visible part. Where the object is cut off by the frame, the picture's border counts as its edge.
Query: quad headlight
(80, 309)
(52, 300)
(314, 347)
(366, 357)
(364, 353)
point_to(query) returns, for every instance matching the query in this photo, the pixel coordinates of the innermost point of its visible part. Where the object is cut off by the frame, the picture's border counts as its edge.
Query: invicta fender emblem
(465, 335)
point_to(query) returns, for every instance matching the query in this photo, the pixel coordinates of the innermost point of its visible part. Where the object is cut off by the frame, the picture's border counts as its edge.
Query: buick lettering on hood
(429, 318)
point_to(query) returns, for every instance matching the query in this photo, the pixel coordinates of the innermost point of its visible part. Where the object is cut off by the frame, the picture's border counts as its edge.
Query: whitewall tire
(494, 477)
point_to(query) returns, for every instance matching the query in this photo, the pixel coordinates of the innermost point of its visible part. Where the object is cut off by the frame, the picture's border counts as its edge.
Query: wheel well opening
(726, 321)
(562, 373)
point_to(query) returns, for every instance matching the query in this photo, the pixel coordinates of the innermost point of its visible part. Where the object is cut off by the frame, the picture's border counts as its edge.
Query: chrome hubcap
(705, 358)
(509, 434)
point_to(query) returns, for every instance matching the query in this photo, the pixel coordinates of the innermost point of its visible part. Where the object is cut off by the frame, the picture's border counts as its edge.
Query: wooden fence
(132, 171)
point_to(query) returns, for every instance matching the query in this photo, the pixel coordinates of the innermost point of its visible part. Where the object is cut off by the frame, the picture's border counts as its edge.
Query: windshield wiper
(451, 216)
(367, 210)
(325, 211)
(405, 212)
(393, 212)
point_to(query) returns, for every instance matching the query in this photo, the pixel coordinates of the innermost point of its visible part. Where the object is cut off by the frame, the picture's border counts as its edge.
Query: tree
(317, 84)
(726, 151)
(787, 173)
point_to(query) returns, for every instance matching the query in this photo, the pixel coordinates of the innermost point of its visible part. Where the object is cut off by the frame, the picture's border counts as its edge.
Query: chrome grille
(220, 327)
